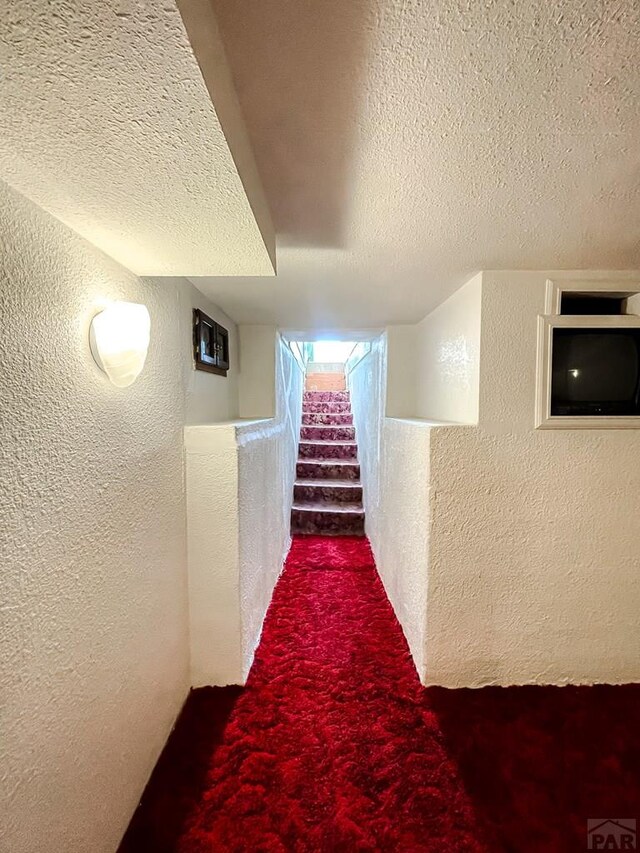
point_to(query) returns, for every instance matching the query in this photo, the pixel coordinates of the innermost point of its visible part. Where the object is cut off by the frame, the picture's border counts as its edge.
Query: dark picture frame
(210, 344)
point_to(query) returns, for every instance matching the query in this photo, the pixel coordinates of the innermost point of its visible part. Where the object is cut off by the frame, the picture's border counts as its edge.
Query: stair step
(329, 470)
(326, 408)
(327, 418)
(355, 508)
(328, 432)
(337, 483)
(327, 492)
(325, 381)
(327, 450)
(326, 396)
(328, 519)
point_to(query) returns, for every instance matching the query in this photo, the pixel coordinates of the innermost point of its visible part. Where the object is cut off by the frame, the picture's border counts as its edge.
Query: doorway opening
(325, 363)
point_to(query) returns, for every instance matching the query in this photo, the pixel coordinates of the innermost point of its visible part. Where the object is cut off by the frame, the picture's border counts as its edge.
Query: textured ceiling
(404, 145)
(106, 122)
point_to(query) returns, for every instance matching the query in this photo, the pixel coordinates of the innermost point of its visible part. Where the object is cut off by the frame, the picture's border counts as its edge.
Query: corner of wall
(257, 378)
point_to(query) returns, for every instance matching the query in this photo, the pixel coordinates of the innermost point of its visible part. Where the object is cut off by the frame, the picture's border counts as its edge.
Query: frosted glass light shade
(119, 339)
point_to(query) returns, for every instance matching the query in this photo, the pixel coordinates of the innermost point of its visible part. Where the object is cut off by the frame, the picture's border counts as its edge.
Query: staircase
(327, 495)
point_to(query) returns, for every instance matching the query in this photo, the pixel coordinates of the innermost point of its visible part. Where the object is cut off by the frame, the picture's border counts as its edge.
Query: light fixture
(119, 340)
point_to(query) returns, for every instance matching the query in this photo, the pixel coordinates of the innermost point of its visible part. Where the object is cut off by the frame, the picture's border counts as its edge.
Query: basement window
(592, 303)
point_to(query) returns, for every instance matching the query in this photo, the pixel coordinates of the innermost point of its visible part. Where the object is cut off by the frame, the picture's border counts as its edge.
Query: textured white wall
(366, 380)
(402, 365)
(399, 527)
(209, 398)
(447, 358)
(215, 630)
(239, 492)
(256, 382)
(528, 545)
(128, 149)
(535, 572)
(95, 646)
(267, 464)
(93, 534)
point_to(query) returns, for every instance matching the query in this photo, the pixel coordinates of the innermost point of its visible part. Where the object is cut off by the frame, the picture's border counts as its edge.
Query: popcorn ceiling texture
(95, 640)
(108, 125)
(421, 142)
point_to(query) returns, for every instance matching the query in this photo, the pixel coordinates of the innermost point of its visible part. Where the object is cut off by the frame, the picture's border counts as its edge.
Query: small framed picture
(210, 344)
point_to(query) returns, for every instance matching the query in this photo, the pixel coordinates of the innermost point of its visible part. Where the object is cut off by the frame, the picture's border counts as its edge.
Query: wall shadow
(537, 762)
(179, 778)
(298, 70)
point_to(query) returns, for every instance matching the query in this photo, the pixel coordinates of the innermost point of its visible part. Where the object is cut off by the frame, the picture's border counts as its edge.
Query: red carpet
(334, 746)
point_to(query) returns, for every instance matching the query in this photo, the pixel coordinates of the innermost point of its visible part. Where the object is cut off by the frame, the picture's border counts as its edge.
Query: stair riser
(327, 523)
(328, 493)
(328, 433)
(328, 451)
(320, 418)
(325, 382)
(326, 408)
(310, 470)
(326, 397)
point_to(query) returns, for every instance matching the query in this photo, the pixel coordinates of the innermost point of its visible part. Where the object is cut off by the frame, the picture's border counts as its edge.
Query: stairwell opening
(329, 493)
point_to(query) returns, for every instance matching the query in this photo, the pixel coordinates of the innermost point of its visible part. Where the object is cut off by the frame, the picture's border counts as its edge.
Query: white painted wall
(95, 656)
(402, 366)
(533, 573)
(137, 154)
(267, 466)
(256, 383)
(399, 527)
(239, 492)
(209, 398)
(366, 380)
(447, 358)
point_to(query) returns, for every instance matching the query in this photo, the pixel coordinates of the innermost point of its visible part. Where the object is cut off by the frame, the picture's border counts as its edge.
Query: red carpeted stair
(334, 746)
(327, 496)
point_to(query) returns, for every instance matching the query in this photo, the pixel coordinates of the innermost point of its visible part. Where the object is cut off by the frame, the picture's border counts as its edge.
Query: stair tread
(331, 484)
(329, 441)
(317, 506)
(313, 412)
(328, 426)
(351, 463)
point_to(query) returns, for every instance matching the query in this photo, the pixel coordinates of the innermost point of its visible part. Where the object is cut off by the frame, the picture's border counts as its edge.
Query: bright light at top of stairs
(332, 351)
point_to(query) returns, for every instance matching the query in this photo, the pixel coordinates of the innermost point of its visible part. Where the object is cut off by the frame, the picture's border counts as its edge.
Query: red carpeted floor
(334, 746)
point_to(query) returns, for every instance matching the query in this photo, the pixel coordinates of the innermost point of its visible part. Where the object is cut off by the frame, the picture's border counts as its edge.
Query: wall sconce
(119, 340)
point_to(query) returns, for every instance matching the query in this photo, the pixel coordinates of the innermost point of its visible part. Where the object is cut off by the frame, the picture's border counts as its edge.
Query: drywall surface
(108, 125)
(256, 382)
(94, 664)
(399, 527)
(534, 572)
(366, 380)
(215, 628)
(402, 365)
(208, 398)
(447, 358)
(239, 492)
(267, 464)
